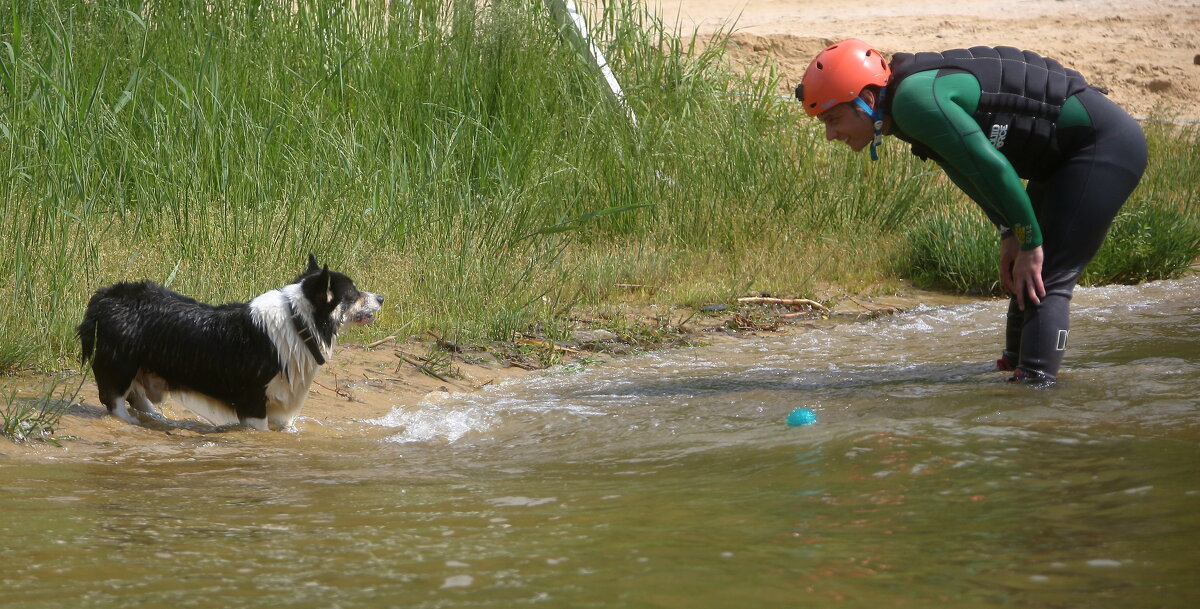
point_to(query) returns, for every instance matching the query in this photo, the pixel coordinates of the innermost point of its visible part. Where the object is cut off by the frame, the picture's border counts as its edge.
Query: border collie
(250, 363)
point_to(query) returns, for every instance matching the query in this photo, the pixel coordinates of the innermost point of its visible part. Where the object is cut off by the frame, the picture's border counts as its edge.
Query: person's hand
(1025, 275)
(1008, 255)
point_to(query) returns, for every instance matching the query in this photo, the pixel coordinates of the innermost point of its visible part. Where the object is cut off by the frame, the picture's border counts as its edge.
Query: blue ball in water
(801, 416)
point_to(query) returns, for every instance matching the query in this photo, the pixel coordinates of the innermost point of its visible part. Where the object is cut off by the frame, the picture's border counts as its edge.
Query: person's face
(847, 123)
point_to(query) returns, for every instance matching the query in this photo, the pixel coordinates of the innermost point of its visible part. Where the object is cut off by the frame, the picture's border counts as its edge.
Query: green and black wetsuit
(992, 117)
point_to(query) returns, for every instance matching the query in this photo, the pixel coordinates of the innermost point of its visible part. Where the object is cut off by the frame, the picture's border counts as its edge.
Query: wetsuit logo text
(999, 132)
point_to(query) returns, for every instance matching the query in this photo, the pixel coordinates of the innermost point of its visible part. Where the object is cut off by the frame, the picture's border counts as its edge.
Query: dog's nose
(379, 299)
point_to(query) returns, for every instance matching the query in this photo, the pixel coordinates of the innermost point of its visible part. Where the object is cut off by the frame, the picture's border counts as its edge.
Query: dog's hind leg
(139, 401)
(256, 423)
(148, 390)
(116, 407)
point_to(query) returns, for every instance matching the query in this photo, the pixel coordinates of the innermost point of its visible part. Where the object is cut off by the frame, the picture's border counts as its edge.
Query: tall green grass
(458, 157)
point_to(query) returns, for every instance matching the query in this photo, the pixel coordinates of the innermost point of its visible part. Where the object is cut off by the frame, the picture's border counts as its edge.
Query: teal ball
(801, 416)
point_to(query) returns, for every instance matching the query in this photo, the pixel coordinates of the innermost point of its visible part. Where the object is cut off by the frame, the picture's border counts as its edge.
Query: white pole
(573, 24)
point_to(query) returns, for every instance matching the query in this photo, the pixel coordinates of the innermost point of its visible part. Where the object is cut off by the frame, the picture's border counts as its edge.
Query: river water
(672, 480)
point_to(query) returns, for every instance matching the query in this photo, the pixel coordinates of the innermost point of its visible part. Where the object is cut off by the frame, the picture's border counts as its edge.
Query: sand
(1146, 52)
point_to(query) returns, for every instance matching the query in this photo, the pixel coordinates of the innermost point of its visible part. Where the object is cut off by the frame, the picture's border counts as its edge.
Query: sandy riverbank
(1146, 52)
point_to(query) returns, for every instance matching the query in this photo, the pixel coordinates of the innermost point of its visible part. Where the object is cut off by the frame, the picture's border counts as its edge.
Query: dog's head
(335, 297)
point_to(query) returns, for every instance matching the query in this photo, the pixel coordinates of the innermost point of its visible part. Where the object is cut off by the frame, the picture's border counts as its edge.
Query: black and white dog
(249, 363)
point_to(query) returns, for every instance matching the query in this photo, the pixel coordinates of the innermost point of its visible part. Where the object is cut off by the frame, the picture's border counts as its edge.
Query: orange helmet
(839, 73)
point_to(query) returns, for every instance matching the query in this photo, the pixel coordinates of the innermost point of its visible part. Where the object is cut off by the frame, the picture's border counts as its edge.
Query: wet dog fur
(249, 363)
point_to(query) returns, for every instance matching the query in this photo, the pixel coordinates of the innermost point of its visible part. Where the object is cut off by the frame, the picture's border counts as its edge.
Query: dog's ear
(312, 264)
(318, 286)
(327, 280)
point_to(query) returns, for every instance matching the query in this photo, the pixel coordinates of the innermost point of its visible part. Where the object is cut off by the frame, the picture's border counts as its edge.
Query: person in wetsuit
(992, 117)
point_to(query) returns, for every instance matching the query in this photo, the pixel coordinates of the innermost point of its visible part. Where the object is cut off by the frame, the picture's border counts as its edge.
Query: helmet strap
(876, 115)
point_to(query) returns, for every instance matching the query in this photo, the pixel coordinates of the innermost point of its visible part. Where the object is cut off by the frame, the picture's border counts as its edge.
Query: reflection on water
(672, 480)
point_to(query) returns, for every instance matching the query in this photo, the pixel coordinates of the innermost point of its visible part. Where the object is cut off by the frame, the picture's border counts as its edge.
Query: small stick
(546, 345)
(337, 392)
(381, 341)
(422, 368)
(794, 302)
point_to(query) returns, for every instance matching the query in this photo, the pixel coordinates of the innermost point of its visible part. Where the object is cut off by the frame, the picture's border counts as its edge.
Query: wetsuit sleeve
(966, 186)
(935, 110)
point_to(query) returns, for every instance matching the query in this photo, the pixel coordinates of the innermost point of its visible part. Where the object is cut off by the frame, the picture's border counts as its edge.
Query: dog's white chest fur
(288, 390)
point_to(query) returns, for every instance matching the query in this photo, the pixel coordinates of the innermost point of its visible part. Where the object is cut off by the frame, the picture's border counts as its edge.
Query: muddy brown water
(672, 480)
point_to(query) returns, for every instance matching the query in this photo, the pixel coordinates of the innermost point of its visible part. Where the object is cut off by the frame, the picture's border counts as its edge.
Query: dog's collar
(306, 333)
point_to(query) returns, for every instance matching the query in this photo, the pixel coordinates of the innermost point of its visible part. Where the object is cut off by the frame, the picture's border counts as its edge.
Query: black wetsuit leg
(1075, 207)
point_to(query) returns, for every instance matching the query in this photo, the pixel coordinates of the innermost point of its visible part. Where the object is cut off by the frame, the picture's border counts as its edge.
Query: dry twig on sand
(419, 366)
(546, 345)
(381, 341)
(791, 302)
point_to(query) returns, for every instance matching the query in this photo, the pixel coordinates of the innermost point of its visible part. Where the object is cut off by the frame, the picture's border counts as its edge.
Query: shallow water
(672, 480)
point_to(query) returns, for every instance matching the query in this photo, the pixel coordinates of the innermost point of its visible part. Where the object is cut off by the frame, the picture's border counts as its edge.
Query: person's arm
(967, 187)
(936, 111)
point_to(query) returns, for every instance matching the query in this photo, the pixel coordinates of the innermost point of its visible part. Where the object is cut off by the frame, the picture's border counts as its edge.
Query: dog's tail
(87, 339)
(89, 328)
